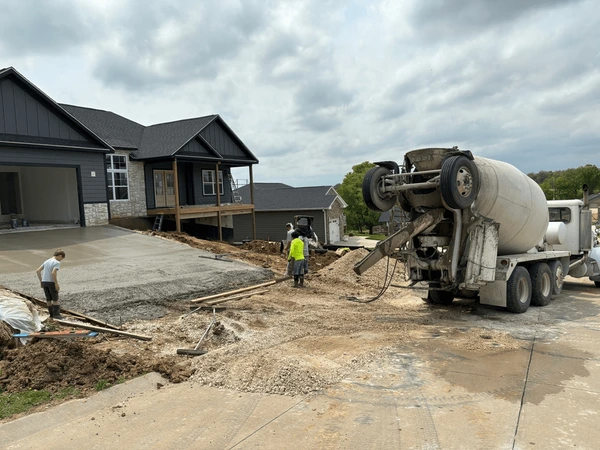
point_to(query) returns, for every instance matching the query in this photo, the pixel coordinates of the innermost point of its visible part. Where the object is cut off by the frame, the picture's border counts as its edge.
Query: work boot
(295, 281)
(56, 312)
(50, 309)
(301, 281)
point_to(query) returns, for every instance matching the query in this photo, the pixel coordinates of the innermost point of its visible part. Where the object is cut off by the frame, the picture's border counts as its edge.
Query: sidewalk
(356, 241)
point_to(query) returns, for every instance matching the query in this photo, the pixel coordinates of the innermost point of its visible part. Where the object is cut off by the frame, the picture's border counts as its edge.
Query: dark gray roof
(114, 129)
(164, 139)
(269, 197)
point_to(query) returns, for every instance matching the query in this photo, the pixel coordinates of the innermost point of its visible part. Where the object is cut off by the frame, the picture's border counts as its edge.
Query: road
(424, 393)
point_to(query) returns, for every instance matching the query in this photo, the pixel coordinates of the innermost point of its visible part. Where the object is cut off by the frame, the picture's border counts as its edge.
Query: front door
(164, 188)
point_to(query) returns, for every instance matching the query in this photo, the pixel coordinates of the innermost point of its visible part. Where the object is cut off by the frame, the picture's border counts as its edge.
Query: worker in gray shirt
(48, 276)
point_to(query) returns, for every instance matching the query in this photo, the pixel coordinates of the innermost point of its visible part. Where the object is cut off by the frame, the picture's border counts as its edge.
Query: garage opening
(38, 196)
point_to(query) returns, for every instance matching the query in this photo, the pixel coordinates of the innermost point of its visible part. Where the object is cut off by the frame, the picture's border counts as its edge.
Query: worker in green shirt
(296, 259)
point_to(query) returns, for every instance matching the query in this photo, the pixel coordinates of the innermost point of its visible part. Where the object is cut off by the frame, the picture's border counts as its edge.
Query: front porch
(184, 190)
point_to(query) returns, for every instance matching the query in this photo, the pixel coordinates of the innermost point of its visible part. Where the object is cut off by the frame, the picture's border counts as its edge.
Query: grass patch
(376, 237)
(19, 402)
(67, 392)
(101, 385)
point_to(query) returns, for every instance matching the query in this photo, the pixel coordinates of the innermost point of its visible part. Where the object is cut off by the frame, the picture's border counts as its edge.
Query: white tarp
(15, 312)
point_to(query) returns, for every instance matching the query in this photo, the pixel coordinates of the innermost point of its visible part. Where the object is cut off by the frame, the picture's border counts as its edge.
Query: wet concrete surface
(422, 394)
(116, 274)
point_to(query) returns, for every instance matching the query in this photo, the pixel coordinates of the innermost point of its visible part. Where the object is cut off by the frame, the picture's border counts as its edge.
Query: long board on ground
(237, 291)
(103, 330)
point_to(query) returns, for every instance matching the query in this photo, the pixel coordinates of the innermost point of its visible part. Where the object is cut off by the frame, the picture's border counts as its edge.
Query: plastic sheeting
(15, 312)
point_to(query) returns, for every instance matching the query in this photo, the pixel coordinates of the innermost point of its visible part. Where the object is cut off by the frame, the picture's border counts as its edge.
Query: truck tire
(597, 283)
(558, 276)
(373, 196)
(440, 297)
(518, 291)
(541, 284)
(459, 181)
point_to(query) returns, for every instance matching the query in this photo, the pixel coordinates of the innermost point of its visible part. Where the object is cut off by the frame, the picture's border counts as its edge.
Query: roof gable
(29, 116)
(166, 139)
(220, 137)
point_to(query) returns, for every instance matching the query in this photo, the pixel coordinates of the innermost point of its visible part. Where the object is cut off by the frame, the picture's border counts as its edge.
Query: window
(118, 186)
(208, 182)
(560, 214)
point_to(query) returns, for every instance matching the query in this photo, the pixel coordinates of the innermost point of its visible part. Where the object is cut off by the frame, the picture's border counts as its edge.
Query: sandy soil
(288, 341)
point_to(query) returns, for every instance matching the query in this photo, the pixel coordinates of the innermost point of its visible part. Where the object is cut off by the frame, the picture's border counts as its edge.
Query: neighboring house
(276, 204)
(64, 163)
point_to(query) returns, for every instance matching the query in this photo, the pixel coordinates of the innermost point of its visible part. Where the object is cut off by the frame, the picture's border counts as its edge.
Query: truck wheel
(541, 284)
(558, 276)
(597, 283)
(518, 291)
(372, 190)
(440, 297)
(459, 181)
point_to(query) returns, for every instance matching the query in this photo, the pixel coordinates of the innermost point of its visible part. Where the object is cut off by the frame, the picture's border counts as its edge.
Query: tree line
(557, 185)
(567, 184)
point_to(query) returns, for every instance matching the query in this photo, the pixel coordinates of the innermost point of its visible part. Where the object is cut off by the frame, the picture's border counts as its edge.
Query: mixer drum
(515, 201)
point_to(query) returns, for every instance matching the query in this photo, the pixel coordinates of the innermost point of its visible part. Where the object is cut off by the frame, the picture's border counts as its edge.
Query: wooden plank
(104, 330)
(237, 291)
(44, 304)
(236, 297)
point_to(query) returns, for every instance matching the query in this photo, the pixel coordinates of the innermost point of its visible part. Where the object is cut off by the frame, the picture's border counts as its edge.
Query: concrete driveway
(423, 394)
(116, 274)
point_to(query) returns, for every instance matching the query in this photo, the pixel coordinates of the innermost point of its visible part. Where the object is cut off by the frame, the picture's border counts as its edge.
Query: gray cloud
(42, 28)
(442, 19)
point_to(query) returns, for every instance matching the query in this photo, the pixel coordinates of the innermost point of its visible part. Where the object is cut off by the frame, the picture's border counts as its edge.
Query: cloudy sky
(314, 87)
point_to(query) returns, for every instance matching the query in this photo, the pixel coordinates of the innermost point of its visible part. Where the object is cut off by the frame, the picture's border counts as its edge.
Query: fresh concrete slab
(117, 274)
(424, 392)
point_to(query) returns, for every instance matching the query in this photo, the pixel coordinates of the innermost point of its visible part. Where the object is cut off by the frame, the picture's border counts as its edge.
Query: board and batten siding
(270, 225)
(23, 114)
(93, 188)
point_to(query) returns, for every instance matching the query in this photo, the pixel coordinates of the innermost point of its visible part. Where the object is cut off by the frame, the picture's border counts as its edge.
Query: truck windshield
(560, 214)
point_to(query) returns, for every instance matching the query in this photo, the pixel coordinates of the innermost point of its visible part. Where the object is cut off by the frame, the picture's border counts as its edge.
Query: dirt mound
(54, 365)
(341, 271)
(262, 247)
(217, 247)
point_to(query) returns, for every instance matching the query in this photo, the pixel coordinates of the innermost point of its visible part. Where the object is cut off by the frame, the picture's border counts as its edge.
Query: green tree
(567, 184)
(358, 216)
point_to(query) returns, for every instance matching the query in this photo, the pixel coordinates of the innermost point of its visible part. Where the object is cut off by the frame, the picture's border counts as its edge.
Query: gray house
(52, 166)
(70, 164)
(276, 204)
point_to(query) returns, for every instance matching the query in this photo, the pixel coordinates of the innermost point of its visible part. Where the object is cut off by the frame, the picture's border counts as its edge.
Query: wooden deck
(198, 211)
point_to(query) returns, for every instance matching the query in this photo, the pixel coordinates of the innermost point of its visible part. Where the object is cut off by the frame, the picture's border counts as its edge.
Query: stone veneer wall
(136, 205)
(336, 212)
(96, 214)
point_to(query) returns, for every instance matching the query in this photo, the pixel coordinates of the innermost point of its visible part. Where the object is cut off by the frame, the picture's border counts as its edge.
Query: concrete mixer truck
(479, 227)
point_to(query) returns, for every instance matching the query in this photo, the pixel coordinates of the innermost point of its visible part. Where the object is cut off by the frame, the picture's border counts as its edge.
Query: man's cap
(289, 225)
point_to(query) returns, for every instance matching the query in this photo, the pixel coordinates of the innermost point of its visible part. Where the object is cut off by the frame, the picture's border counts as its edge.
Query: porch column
(176, 186)
(252, 203)
(219, 202)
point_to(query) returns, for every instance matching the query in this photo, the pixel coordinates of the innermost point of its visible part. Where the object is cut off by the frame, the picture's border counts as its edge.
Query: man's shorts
(299, 268)
(50, 291)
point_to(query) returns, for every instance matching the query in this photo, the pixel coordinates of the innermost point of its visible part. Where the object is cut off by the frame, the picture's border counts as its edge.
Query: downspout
(325, 227)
